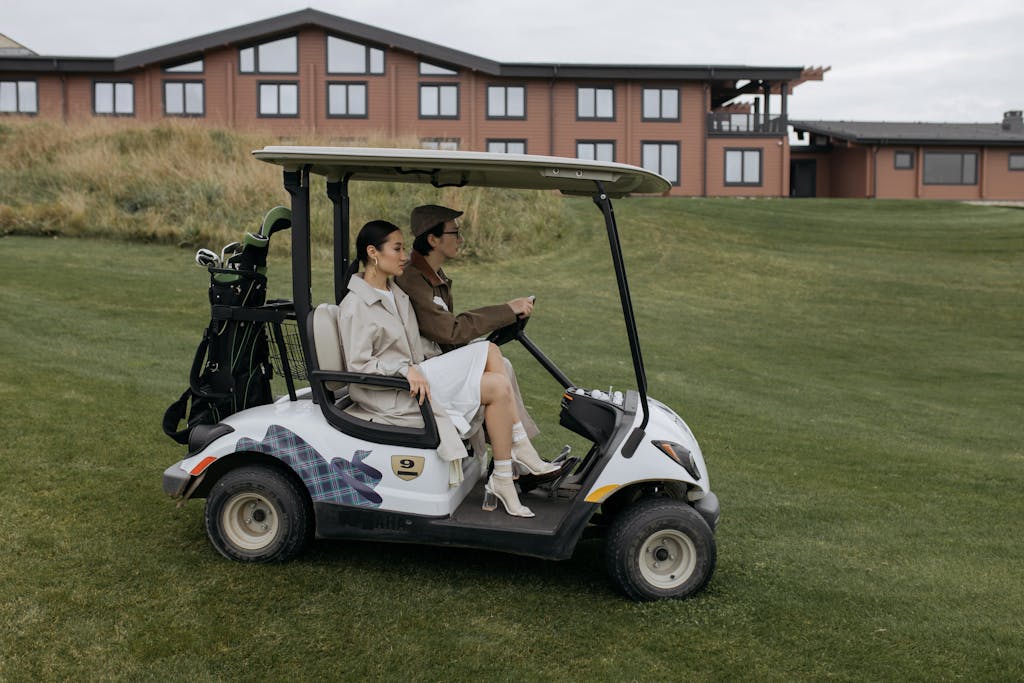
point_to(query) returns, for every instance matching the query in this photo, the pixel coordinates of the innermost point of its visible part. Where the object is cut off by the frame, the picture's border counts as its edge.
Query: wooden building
(968, 161)
(313, 73)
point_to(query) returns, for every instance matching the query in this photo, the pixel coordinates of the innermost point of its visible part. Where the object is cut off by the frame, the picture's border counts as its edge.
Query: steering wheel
(503, 335)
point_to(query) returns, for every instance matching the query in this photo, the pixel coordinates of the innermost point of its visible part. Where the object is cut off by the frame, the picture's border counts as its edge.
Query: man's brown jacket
(426, 289)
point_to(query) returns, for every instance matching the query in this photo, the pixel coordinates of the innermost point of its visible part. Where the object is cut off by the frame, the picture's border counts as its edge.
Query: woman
(380, 335)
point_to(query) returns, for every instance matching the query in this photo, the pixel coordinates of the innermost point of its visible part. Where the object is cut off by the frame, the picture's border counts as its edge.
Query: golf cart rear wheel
(257, 514)
(660, 548)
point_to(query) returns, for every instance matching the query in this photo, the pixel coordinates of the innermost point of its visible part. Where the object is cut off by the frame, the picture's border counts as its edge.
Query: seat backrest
(327, 342)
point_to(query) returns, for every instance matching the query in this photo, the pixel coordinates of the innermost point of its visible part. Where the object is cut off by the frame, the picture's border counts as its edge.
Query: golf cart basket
(234, 362)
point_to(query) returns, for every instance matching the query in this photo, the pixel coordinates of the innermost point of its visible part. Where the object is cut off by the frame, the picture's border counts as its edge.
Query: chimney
(1013, 121)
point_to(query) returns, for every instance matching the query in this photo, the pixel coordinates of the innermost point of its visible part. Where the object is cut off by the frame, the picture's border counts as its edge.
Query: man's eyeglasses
(455, 231)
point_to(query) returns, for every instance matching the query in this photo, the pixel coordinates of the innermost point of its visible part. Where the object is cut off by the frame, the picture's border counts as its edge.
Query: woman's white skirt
(454, 379)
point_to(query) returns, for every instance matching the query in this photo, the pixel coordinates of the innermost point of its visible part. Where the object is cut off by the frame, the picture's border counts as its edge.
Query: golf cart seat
(330, 360)
(329, 354)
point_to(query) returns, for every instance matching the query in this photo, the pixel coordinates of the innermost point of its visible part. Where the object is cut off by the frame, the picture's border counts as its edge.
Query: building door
(803, 178)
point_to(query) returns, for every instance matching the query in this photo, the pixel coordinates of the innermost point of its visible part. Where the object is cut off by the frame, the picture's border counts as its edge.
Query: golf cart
(275, 475)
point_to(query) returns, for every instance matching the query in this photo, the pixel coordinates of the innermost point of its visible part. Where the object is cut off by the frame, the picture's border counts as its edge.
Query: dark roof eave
(674, 72)
(59, 64)
(951, 141)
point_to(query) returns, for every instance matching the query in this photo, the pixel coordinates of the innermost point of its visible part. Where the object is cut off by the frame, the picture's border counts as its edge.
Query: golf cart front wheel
(257, 514)
(660, 548)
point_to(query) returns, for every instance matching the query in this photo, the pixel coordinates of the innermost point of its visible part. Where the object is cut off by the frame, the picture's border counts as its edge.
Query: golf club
(207, 258)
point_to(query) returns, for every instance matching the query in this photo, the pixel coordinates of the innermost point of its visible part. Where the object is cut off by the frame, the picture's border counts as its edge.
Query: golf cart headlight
(680, 454)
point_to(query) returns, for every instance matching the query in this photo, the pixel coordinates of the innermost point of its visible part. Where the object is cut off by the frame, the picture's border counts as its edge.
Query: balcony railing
(745, 124)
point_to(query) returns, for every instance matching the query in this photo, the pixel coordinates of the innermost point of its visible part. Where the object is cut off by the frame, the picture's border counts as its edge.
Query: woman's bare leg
(499, 416)
(495, 361)
(499, 410)
(525, 454)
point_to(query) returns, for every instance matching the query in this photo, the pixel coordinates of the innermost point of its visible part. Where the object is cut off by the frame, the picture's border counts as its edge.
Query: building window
(195, 67)
(346, 100)
(428, 69)
(1017, 162)
(595, 103)
(903, 160)
(439, 101)
(595, 150)
(346, 57)
(661, 104)
(507, 146)
(183, 98)
(113, 99)
(276, 57)
(662, 158)
(279, 99)
(19, 97)
(451, 144)
(506, 102)
(743, 167)
(950, 168)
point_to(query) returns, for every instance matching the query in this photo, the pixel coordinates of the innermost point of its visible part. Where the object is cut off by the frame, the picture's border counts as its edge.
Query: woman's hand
(418, 386)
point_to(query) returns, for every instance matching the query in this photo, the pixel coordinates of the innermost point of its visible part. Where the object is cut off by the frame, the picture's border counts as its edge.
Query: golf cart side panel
(339, 468)
(649, 464)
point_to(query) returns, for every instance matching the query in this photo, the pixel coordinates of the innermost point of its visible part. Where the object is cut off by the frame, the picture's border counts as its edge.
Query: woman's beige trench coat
(382, 337)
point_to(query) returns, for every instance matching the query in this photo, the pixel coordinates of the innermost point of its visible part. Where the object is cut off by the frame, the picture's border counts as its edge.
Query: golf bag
(231, 370)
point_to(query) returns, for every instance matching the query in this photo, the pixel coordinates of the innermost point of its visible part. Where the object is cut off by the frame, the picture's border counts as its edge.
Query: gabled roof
(288, 23)
(12, 47)
(895, 133)
(193, 48)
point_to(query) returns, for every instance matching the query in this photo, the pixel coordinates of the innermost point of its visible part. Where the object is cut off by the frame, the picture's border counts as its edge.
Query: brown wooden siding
(774, 167)
(231, 99)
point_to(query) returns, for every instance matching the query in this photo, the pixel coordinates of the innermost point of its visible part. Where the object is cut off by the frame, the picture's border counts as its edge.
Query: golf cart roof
(443, 168)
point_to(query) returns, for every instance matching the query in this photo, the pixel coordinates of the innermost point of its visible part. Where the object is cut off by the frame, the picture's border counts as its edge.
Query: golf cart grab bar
(414, 437)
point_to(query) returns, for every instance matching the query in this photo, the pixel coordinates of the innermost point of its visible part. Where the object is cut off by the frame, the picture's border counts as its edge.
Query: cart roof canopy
(442, 168)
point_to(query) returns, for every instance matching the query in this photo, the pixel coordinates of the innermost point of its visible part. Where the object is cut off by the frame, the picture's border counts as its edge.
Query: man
(436, 238)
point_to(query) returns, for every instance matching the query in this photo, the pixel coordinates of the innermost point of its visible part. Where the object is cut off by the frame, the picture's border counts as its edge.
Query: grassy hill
(851, 369)
(190, 185)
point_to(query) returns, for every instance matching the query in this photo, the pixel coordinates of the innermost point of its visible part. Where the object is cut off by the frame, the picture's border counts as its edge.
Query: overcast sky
(892, 60)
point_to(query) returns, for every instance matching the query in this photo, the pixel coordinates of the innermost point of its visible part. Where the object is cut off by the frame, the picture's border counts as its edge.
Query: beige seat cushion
(329, 354)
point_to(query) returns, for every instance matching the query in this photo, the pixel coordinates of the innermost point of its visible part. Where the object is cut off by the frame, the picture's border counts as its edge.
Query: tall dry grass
(186, 184)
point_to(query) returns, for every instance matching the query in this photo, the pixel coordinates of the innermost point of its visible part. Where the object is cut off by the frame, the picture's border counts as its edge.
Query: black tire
(660, 548)
(257, 514)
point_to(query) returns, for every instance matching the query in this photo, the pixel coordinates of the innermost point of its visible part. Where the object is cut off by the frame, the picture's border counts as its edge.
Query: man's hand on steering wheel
(523, 306)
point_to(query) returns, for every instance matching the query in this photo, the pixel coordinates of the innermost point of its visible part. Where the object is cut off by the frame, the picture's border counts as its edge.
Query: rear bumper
(709, 509)
(176, 480)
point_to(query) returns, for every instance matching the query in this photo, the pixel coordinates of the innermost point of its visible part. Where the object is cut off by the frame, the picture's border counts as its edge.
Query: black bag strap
(174, 414)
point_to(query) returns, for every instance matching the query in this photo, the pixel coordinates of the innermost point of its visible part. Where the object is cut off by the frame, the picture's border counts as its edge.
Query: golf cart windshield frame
(297, 183)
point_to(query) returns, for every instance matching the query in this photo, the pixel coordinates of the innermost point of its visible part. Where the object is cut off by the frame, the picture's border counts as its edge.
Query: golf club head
(207, 258)
(229, 249)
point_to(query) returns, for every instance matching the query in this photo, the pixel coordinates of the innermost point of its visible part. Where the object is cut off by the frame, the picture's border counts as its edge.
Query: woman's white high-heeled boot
(527, 461)
(501, 487)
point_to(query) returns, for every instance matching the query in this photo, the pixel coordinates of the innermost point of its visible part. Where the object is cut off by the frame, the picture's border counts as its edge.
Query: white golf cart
(276, 475)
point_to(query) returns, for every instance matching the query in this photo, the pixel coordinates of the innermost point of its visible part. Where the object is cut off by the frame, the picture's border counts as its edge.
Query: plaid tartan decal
(338, 481)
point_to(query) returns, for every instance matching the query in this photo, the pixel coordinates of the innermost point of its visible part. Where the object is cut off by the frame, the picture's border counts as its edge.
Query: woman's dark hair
(374, 233)
(422, 245)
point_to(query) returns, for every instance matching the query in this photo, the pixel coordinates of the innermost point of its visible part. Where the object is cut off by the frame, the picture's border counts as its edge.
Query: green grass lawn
(853, 370)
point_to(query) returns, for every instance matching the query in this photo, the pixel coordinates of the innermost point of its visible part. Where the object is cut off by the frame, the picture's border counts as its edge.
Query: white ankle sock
(518, 432)
(503, 469)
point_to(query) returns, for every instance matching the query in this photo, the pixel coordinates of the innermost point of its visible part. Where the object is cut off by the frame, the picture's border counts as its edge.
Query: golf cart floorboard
(548, 512)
